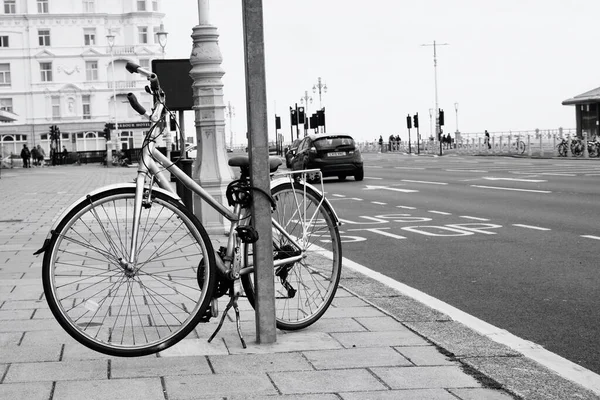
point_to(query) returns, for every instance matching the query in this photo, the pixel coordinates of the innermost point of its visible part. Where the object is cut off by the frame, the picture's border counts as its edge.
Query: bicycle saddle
(244, 162)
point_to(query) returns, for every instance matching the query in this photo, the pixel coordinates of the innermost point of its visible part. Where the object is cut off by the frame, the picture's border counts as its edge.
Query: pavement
(375, 341)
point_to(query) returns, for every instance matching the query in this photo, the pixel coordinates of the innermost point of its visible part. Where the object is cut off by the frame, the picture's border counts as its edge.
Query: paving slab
(152, 366)
(26, 391)
(410, 394)
(328, 381)
(356, 358)
(57, 371)
(130, 389)
(218, 386)
(425, 377)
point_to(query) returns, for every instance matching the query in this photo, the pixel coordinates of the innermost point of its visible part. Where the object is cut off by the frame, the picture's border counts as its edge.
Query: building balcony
(119, 50)
(122, 84)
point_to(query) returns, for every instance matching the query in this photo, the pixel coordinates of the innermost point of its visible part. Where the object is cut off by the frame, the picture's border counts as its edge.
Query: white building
(56, 69)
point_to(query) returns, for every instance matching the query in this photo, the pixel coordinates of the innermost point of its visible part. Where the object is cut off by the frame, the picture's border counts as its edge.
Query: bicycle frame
(154, 164)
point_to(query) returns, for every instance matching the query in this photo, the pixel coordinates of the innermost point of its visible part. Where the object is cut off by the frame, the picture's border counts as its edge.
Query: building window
(87, 106)
(89, 36)
(91, 70)
(10, 7)
(46, 71)
(145, 63)
(6, 105)
(44, 37)
(141, 5)
(42, 6)
(89, 6)
(154, 5)
(55, 107)
(4, 74)
(143, 34)
(3, 41)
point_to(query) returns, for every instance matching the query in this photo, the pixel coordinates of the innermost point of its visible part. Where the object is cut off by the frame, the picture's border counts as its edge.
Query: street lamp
(456, 109)
(320, 87)
(430, 122)
(162, 38)
(110, 38)
(437, 119)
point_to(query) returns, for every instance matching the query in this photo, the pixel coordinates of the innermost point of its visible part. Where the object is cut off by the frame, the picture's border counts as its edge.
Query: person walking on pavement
(380, 144)
(487, 139)
(25, 154)
(34, 156)
(65, 154)
(41, 155)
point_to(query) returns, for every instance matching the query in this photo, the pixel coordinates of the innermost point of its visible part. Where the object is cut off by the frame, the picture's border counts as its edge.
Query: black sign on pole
(176, 82)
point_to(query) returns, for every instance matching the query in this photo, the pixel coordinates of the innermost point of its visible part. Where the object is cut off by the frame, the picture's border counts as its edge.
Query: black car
(333, 154)
(290, 151)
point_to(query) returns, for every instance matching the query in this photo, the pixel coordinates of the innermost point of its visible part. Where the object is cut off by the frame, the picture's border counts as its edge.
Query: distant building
(56, 69)
(587, 112)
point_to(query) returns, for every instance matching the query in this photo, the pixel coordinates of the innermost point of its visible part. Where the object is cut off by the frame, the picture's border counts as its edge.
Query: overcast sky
(508, 64)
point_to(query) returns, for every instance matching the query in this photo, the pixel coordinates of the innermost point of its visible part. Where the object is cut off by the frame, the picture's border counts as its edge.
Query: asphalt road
(511, 241)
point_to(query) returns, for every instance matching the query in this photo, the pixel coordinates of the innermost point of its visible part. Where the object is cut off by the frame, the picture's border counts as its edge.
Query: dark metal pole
(291, 126)
(256, 95)
(297, 122)
(409, 149)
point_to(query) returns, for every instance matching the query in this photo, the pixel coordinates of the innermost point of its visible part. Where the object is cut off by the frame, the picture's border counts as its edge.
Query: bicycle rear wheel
(120, 310)
(303, 289)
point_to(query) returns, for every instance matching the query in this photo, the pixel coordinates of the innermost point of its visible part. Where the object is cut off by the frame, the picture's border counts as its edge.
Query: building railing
(118, 50)
(122, 84)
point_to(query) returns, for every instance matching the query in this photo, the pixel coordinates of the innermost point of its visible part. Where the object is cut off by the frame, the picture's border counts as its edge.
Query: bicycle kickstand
(233, 302)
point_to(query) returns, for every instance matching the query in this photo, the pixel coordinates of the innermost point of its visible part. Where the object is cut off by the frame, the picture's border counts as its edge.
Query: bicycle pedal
(247, 234)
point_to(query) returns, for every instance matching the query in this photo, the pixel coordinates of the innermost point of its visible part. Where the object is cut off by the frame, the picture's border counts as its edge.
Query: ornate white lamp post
(321, 87)
(110, 38)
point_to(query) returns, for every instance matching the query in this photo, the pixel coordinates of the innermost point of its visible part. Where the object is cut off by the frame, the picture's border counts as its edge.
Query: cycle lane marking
(425, 182)
(539, 228)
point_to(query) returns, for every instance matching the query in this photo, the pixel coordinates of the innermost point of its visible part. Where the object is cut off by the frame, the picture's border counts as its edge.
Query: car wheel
(359, 175)
(342, 177)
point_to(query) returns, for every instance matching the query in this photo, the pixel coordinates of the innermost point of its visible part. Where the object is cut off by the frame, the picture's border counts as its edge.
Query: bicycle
(519, 146)
(128, 270)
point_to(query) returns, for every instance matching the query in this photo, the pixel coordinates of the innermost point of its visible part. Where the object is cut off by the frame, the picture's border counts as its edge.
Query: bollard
(541, 145)
(586, 153)
(554, 148)
(501, 145)
(528, 145)
(508, 145)
(479, 145)
(569, 154)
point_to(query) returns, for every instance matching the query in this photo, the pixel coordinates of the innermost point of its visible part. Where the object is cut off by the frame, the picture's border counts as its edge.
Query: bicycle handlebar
(134, 68)
(135, 104)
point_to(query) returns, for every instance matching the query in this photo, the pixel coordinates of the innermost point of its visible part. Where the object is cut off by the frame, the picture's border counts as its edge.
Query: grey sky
(509, 64)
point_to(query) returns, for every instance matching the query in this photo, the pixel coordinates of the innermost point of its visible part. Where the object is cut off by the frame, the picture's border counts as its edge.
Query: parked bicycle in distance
(128, 270)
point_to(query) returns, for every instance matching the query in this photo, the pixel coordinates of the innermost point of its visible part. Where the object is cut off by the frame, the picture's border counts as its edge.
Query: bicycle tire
(123, 313)
(521, 147)
(562, 150)
(316, 277)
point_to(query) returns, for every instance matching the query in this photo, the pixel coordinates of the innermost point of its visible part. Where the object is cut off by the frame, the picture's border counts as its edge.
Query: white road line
(490, 178)
(407, 207)
(427, 182)
(556, 363)
(512, 189)
(378, 202)
(439, 212)
(591, 237)
(475, 218)
(465, 170)
(409, 167)
(556, 174)
(339, 195)
(375, 166)
(539, 228)
(592, 175)
(372, 177)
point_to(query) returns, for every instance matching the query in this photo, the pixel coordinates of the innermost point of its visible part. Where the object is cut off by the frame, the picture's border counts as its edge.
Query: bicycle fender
(281, 180)
(85, 198)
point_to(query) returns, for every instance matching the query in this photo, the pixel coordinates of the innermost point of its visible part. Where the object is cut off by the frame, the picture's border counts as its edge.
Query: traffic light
(301, 119)
(277, 122)
(293, 116)
(172, 123)
(106, 132)
(321, 117)
(416, 120)
(441, 117)
(408, 122)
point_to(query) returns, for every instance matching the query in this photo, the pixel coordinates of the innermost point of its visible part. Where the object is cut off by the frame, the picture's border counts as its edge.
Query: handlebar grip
(135, 105)
(132, 67)
(154, 85)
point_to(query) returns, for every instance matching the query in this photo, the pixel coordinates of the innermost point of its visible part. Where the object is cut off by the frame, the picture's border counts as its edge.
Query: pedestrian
(65, 154)
(41, 155)
(25, 154)
(487, 139)
(448, 140)
(391, 143)
(380, 144)
(34, 156)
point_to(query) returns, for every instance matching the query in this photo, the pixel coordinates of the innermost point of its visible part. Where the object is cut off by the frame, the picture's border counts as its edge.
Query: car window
(330, 143)
(303, 145)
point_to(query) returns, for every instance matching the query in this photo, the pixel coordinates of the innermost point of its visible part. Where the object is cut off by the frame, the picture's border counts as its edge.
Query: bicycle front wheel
(304, 289)
(124, 309)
